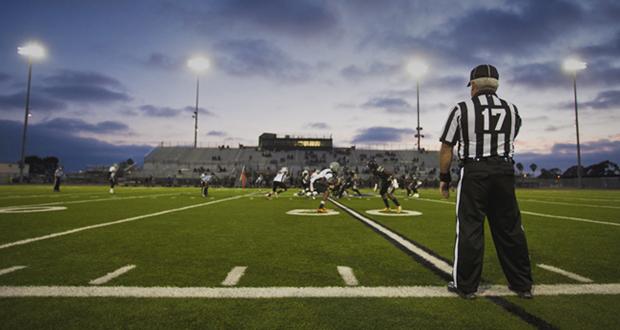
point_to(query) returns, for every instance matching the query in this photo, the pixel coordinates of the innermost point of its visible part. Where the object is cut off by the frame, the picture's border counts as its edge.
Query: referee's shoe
(462, 294)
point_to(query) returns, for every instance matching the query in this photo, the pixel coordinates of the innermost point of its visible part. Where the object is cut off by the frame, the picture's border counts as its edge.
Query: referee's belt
(492, 159)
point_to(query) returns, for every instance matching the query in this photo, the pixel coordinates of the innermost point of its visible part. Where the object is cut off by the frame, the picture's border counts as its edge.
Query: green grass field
(184, 246)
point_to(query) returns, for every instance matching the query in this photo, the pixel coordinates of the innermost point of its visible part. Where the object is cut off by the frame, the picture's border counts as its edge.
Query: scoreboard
(270, 141)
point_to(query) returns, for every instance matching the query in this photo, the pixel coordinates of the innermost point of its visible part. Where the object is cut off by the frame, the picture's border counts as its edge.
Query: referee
(485, 128)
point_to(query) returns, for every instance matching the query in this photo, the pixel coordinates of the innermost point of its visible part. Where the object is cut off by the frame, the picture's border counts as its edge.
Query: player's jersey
(326, 174)
(113, 170)
(206, 178)
(381, 174)
(59, 173)
(281, 176)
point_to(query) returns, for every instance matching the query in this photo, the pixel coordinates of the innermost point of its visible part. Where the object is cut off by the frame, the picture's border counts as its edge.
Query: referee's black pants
(487, 187)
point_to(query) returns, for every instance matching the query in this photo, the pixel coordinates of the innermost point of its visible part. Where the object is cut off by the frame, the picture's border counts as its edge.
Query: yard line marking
(234, 276)
(73, 231)
(570, 204)
(570, 218)
(110, 276)
(568, 274)
(93, 200)
(347, 276)
(411, 247)
(539, 214)
(294, 292)
(11, 269)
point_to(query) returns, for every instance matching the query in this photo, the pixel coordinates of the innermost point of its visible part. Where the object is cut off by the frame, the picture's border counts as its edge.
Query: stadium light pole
(198, 64)
(571, 66)
(32, 51)
(417, 69)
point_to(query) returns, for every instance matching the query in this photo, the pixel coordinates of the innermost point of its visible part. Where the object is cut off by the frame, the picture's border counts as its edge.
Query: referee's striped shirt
(484, 126)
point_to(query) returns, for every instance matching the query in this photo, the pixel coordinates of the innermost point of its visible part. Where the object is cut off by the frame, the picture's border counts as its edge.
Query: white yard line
(110, 276)
(234, 276)
(570, 204)
(539, 214)
(77, 230)
(438, 263)
(294, 292)
(11, 269)
(568, 274)
(92, 200)
(347, 276)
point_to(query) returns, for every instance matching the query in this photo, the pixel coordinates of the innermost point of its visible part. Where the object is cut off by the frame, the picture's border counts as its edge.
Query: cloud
(38, 102)
(84, 87)
(564, 155)
(154, 111)
(150, 110)
(381, 134)
(58, 90)
(75, 152)
(550, 75)
(373, 70)
(259, 58)
(301, 18)
(555, 128)
(388, 104)
(604, 100)
(161, 61)
(77, 125)
(318, 126)
(4, 77)
(216, 133)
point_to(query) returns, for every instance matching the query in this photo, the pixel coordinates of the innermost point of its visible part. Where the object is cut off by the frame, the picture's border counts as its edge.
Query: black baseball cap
(483, 71)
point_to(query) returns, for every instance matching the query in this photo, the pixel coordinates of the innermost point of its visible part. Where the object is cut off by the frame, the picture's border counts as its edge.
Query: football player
(321, 183)
(412, 186)
(279, 185)
(305, 183)
(112, 176)
(349, 181)
(205, 179)
(387, 184)
(58, 174)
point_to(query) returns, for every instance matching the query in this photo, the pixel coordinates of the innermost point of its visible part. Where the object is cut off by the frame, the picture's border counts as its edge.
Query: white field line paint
(440, 264)
(77, 230)
(110, 276)
(568, 274)
(11, 269)
(347, 276)
(294, 292)
(539, 214)
(93, 200)
(234, 276)
(570, 204)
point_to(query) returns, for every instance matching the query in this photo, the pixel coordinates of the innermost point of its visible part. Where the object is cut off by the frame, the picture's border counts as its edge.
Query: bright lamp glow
(574, 65)
(417, 68)
(32, 50)
(198, 63)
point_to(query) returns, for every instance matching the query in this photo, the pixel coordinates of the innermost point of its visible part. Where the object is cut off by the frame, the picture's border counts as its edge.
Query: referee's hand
(444, 189)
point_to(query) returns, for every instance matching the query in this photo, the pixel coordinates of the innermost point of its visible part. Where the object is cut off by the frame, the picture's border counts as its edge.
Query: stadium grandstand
(184, 164)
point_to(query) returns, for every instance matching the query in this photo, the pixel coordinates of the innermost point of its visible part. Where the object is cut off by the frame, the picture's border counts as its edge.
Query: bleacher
(188, 162)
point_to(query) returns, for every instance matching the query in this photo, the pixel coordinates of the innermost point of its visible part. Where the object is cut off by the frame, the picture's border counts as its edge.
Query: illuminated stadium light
(417, 68)
(573, 65)
(32, 50)
(199, 64)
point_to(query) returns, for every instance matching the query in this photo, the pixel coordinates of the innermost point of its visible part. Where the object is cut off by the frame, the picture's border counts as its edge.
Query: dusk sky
(115, 81)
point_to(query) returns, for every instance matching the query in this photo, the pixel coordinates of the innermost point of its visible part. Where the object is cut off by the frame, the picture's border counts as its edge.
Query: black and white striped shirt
(484, 126)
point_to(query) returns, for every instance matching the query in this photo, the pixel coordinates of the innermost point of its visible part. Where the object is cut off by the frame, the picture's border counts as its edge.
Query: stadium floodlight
(417, 68)
(32, 51)
(573, 65)
(198, 64)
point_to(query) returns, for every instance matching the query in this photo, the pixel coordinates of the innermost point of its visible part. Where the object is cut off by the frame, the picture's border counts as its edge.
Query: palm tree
(533, 167)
